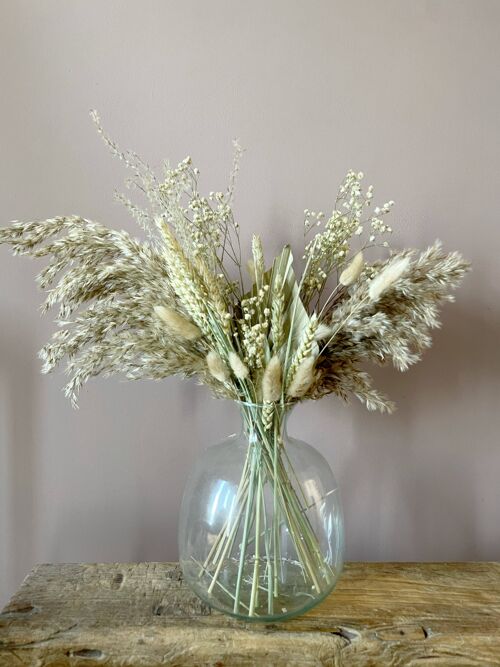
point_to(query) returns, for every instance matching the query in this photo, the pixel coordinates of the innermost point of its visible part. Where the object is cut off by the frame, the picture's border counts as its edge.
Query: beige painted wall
(408, 91)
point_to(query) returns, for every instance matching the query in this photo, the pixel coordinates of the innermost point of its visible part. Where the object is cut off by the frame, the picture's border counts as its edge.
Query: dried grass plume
(239, 369)
(352, 272)
(177, 302)
(217, 367)
(178, 325)
(303, 378)
(387, 277)
(271, 381)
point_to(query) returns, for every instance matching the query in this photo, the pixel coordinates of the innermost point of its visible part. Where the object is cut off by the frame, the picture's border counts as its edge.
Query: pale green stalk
(275, 507)
(269, 562)
(254, 594)
(249, 504)
(203, 569)
(284, 497)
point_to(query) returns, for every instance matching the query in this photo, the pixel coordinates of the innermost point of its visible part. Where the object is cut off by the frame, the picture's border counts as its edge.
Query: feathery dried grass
(170, 304)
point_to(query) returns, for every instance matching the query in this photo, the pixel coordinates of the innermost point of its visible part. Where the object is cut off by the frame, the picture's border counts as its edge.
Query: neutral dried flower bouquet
(182, 301)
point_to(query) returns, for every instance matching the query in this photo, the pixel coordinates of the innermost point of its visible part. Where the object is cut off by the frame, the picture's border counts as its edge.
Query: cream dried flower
(258, 259)
(271, 381)
(352, 272)
(322, 332)
(239, 368)
(303, 378)
(387, 277)
(277, 319)
(178, 325)
(218, 369)
(305, 348)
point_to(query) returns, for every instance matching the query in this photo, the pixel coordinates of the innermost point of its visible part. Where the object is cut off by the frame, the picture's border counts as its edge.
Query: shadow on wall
(416, 468)
(18, 367)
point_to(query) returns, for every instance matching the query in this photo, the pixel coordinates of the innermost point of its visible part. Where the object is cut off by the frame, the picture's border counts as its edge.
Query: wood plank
(144, 615)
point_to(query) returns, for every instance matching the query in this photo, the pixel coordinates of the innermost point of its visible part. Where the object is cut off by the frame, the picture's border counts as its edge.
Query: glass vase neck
(260, 418)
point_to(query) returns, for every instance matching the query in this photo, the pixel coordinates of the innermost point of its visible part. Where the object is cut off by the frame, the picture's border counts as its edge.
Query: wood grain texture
(414, 614)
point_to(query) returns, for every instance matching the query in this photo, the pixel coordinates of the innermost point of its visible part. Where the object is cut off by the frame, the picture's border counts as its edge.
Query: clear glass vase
(261, 529)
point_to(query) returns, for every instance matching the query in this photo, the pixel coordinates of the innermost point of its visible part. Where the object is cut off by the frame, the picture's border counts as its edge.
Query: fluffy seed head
(237, 366)
(217, 367)
(322, 332)
(178, 324)
(271, 381)
(351, 273)
(303, 378)
(387, 277)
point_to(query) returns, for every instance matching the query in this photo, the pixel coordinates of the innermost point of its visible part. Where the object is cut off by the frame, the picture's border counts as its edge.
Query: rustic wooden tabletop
(143, 615)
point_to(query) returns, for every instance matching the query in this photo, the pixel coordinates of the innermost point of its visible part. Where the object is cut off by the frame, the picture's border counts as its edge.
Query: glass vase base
(260, 530)
(292, 597)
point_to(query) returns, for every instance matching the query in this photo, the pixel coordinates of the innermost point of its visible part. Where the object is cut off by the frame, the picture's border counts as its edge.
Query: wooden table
(143, 615)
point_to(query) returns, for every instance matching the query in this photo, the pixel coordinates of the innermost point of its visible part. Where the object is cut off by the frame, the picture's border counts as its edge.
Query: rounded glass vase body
(261, 528)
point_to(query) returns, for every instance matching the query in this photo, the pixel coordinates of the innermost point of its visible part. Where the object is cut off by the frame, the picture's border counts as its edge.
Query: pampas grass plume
(387, 277)
(178, 324)
(271, 381)
(217, 367)
(351, 273)
(237, 366)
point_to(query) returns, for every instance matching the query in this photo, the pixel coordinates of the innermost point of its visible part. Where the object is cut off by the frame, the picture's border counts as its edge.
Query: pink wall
(409, 92)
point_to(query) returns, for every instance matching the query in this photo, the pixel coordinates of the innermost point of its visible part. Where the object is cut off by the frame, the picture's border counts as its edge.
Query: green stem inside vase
(261, 519)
